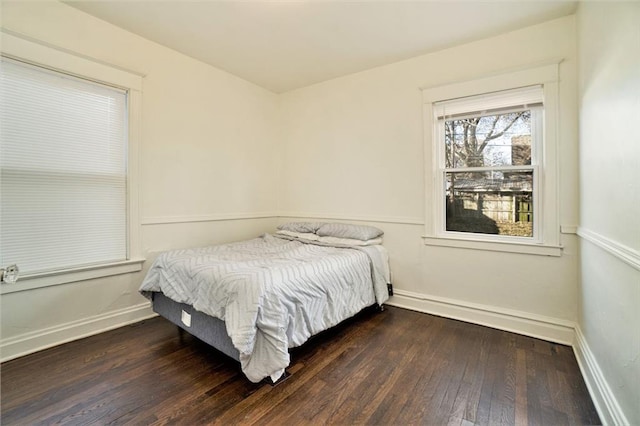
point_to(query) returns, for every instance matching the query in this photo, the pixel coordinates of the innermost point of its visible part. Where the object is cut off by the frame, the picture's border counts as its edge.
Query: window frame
(536, 147)
(48, 57)
(546, 239)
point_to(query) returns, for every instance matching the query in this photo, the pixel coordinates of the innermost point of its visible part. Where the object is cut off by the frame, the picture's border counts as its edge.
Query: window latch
(9, 274)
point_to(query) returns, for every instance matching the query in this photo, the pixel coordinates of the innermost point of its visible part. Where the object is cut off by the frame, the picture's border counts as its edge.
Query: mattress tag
(186, 319)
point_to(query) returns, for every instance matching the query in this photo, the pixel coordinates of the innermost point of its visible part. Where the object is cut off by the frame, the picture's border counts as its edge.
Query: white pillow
(298, 235)
(349, 241)
(306, 227)
(347, 230)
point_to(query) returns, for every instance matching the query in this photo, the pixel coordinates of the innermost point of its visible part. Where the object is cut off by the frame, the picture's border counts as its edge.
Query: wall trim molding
(569, 229)
(162, 220)
(620, 251)
(66, 276)
(165, 220)
(498, 246)
(355, 218)
(541, 327)
(27, 343)
(606, 404)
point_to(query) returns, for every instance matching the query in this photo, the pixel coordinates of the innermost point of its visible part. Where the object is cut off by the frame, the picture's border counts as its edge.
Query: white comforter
(272, 293)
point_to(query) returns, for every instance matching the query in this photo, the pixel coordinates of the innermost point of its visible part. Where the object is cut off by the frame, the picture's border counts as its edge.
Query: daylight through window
(488, 161)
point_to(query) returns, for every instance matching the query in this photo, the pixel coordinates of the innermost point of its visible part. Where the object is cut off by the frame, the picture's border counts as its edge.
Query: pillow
(310, 227)
(335, 241)
(298, 235)
(346, 230)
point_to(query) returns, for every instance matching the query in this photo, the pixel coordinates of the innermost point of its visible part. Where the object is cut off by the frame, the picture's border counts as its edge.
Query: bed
(254, 300)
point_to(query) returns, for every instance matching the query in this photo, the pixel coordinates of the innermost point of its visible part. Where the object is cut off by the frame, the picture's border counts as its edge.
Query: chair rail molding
(165, 220)
(399, 220)
(620, 251)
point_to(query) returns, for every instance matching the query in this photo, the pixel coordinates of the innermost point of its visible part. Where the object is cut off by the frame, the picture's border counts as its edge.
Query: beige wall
(221, 159)
(207, 155)
(609, 298)
(350, 149)
(353, 149)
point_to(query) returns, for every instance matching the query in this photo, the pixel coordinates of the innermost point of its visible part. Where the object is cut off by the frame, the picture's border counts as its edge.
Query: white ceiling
(284, 45)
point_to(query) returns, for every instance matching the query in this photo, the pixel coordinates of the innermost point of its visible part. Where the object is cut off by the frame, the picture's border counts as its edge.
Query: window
(63, 168)
(488, 162)
(65, 182)
(488, 141)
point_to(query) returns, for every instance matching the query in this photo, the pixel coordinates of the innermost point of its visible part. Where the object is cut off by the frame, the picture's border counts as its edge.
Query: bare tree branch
(493, 127)
(492, 136)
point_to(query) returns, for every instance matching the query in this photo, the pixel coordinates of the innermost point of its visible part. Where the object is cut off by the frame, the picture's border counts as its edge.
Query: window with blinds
(63, 161)
(488, 162)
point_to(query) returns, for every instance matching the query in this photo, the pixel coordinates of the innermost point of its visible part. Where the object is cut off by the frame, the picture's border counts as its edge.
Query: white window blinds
(63, 187)
(490, 103)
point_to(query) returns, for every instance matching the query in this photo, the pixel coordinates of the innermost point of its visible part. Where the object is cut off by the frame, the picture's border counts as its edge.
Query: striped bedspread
(272, 293)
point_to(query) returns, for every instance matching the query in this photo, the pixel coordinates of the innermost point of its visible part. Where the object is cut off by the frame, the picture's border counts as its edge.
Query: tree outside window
(488, 172)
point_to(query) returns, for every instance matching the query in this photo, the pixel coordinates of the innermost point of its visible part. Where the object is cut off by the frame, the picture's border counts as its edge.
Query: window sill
(47, 279)
(509, 247)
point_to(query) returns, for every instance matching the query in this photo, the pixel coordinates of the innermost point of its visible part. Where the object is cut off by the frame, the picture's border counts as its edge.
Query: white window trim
(439, 176)
(50, 57)
(547, 239)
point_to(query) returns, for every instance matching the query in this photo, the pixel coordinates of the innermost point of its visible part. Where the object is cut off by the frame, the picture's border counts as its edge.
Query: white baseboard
(606, 404)
(27, 343)
(538, 326)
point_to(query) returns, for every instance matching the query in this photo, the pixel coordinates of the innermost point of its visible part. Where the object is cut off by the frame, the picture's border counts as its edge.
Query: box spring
(209, 329)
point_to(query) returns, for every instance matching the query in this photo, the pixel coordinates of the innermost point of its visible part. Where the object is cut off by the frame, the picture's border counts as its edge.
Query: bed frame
(209, 329)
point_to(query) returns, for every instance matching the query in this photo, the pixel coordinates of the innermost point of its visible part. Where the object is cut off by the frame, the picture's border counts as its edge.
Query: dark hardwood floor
(393, 367)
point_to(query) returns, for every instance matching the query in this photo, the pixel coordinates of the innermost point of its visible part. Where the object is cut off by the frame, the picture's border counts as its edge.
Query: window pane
(496, 202)
(489, 141)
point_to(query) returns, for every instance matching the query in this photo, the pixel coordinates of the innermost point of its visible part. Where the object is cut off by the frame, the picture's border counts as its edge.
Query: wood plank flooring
(393, 367)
